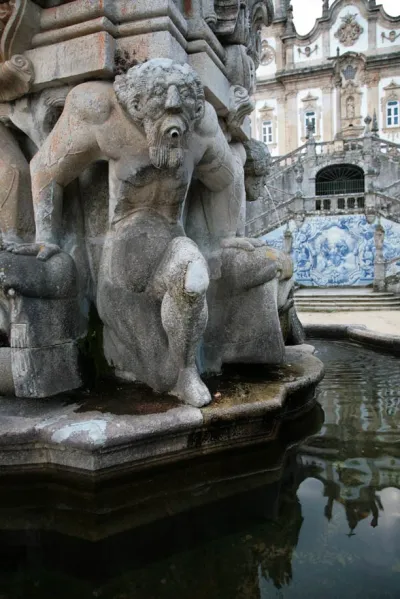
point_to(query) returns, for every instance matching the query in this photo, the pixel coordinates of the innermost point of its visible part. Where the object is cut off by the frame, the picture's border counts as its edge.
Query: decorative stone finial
(367, 122)
(288, 240)
(290, 29)
(375, 126)
(325, 8)
(379, 236)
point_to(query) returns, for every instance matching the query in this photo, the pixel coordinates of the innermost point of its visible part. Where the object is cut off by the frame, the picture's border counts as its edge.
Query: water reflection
(325, 523)
(357, 452)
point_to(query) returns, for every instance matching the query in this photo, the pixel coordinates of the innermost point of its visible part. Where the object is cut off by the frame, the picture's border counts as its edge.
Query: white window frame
(310, 114)
(267, 132)
(392, 113)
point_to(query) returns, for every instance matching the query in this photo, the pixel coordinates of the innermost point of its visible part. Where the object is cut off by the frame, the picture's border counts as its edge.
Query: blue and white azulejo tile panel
(336, 251)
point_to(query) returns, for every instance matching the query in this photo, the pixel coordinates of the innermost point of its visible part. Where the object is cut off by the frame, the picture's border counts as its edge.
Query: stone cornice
(377, 61)
(324, 22)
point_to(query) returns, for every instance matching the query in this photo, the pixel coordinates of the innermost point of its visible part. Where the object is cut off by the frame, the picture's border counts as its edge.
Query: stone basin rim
(157, 438)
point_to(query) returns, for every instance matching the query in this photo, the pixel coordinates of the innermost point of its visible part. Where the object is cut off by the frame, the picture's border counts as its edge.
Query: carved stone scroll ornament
(21, 20)
(240, 67)
(227, 12)
(5, 13)
(240, 105)
(350, 30)
(16, 78)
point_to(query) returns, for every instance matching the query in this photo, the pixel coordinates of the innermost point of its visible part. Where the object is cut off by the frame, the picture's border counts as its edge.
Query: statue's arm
(221, 172)
(69, 149)
(216, 168)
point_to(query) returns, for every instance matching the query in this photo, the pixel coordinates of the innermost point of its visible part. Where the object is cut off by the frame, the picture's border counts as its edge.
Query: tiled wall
(337, 251)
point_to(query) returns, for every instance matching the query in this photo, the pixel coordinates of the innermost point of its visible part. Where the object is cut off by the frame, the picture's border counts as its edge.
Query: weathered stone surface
(34, 378)
(64, 63)
(133, 501)
(155, 245)
(135, 427)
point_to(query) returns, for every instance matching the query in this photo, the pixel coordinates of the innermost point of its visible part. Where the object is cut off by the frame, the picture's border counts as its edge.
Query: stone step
(341, 298)
(348, 300)
(329, 309)
(341, 292)
(344, 308)
(345, 300)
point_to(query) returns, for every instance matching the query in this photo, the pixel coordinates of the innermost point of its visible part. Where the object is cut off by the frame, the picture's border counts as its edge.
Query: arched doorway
(339, 179)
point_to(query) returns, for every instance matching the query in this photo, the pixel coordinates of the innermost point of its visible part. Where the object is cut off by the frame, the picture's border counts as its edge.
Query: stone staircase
(340, 299)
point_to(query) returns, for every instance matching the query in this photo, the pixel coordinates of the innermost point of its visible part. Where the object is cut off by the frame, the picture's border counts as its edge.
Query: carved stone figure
(138, 192)
(156, 131)
(350, 108)
(251, 286)
(256, 169)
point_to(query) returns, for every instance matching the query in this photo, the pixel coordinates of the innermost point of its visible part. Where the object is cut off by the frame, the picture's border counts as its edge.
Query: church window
(310, 120)
(392, 113)
(267, 135)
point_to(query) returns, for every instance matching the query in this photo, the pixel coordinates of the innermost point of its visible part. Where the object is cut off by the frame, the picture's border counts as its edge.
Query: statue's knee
(188, 270)
(196, 278)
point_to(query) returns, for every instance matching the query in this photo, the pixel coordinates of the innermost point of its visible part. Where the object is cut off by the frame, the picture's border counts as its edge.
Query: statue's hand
(42, 251)
(242, 243)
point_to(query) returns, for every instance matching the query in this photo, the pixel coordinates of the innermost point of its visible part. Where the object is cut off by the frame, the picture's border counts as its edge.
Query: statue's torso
(134, 182)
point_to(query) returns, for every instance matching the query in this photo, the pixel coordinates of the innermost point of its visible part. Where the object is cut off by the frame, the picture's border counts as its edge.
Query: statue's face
(166, 103)
(255, 188)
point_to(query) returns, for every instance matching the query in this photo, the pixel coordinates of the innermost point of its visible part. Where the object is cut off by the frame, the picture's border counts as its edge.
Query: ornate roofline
(321, 23)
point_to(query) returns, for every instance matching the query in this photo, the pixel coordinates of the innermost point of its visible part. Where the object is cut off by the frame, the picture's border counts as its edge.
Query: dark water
(321, 520)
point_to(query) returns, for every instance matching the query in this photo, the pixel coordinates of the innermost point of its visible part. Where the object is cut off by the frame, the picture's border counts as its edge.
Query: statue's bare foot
(191, 389)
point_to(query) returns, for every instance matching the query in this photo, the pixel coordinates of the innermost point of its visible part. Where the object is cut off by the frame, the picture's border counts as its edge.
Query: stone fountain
(126, 162)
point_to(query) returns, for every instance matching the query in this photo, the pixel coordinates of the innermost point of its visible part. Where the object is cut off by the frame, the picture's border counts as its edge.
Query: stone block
(34, 378)
(145, 46)
(216, 85)
(6, 377)
(62, 63)
(41, 323)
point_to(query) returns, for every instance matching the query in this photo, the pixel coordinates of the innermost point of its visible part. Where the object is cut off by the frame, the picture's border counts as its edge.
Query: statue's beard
(163, 156)
(166, 151)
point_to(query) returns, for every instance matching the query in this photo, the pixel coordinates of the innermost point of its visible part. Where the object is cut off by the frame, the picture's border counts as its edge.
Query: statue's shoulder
(208, 125)
(93, 101)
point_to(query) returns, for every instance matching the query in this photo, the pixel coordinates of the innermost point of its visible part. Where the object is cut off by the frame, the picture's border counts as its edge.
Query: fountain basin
(104, 435)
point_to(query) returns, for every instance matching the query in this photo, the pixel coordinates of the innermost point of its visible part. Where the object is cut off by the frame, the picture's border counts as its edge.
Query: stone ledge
(74, 506)
(76, 433)
(359, 333)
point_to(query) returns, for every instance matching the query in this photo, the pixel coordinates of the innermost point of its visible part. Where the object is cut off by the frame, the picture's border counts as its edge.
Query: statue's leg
(244, 269)
(16, 215)
(182, 281)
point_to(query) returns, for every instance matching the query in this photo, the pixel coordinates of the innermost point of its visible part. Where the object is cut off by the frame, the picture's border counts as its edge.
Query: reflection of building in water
(356, 453)
(274, 556)
(353, 483)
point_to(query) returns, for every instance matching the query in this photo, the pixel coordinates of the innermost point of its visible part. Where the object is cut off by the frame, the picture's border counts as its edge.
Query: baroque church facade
(345, 69)
(328, 109)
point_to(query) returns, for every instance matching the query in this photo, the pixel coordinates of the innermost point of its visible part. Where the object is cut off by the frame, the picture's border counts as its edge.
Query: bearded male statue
(156, 131)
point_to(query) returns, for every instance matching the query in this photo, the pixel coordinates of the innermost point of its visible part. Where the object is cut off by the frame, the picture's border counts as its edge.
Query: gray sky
(306, 11)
